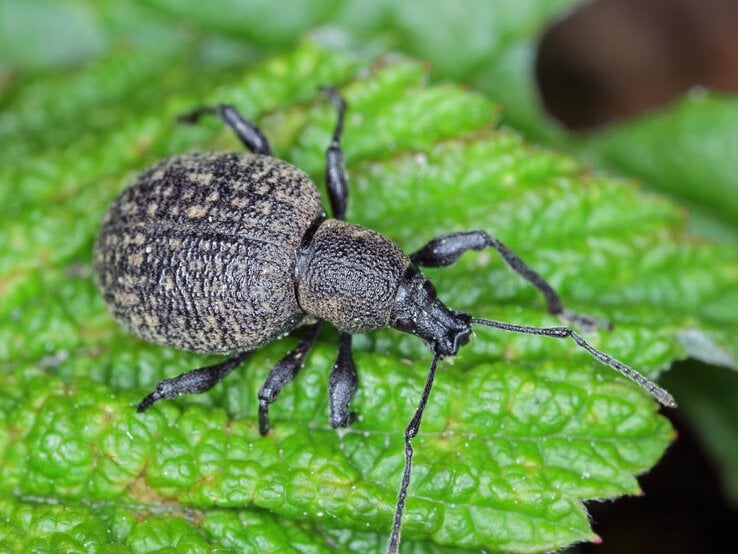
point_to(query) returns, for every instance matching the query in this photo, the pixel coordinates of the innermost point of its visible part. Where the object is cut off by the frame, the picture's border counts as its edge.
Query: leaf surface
(520, 431)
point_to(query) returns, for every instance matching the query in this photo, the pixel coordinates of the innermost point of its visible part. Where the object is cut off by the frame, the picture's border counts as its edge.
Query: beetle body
(199, 252)
(225, 252)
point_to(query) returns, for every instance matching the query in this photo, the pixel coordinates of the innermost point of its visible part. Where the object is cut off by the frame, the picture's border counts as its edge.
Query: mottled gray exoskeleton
(225, 252)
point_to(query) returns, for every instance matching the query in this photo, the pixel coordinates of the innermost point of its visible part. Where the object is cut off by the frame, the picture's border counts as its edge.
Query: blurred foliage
(685, 150)
(519, 431)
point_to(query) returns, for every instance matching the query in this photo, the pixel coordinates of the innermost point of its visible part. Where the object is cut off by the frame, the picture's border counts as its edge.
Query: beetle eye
(429, 289)
(404, 325)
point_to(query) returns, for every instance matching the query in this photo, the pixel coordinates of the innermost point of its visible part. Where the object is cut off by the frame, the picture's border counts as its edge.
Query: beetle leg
(343, 379)
(283, 373)
(246, 131)
(335, 171)
(192, 382)
(342, 385)
(446, 249)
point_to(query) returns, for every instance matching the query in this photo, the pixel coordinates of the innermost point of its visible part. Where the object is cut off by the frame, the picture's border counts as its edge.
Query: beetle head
(418, 311)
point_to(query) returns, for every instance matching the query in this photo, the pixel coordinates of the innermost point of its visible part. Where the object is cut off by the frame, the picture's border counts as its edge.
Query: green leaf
(685, 149)
(520, 431)
(25, 28)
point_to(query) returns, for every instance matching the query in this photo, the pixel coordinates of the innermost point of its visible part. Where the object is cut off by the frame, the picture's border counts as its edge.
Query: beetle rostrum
(225, 252)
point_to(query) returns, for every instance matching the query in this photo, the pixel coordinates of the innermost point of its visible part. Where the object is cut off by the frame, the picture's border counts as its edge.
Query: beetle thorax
(359, 280)
(349, 276)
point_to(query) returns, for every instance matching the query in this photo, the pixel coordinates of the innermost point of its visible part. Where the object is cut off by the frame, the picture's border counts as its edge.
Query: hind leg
(246, 131)
(192, 382)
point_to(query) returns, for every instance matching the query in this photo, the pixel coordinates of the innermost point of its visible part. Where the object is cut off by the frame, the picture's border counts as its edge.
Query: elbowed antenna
(438, 352)
(410, 431)
(660, 394)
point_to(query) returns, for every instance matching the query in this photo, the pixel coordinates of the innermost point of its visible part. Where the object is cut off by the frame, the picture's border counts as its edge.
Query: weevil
(224, 252)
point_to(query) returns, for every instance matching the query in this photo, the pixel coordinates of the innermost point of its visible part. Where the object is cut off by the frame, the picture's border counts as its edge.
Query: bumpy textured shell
(199, 253)
(349, 276)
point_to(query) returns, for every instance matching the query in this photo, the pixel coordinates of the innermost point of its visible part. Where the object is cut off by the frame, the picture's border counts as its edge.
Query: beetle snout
(456, 336)
(463, 337)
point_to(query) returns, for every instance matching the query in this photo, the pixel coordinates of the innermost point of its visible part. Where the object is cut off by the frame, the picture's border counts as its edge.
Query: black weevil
(225, 252)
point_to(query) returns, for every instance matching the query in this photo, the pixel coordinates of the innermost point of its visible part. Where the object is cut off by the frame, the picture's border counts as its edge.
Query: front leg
(446, 249)
(335, 171)
(342, 384)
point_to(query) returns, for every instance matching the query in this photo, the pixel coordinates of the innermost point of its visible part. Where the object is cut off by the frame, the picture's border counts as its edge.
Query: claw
(584, 322)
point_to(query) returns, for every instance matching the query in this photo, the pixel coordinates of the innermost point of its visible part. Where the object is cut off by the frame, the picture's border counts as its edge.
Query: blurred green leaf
(28, 30)
(686, 150)
(520, 430)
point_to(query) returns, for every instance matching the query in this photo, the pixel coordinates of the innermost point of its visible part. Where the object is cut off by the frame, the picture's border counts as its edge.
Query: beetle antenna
(565, 332)
(410, 431)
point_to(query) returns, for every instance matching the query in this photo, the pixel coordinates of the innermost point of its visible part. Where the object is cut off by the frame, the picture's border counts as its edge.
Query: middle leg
(283, 373)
